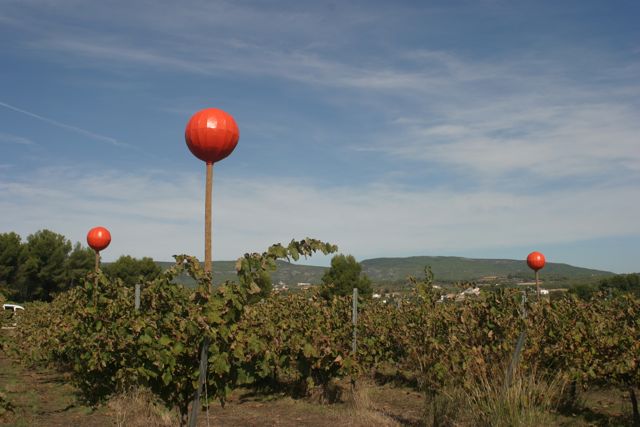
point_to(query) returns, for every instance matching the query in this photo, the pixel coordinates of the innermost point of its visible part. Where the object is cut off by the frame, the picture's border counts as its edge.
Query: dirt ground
(45, 398)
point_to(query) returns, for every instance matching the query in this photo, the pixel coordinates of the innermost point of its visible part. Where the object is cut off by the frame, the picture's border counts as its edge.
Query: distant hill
(396, 270)
(454, 269)
(288, 273)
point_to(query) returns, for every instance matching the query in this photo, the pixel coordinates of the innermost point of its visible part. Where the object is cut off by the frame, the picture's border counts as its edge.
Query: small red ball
(211, 134)
(535, 261)
(98, 238)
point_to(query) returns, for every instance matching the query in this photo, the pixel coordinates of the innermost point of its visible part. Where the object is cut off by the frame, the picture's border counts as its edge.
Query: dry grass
(139, 408)
(362, 410)
(528, 401)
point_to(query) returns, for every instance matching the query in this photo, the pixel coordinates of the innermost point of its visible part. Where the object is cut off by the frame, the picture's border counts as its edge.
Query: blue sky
(471, 128)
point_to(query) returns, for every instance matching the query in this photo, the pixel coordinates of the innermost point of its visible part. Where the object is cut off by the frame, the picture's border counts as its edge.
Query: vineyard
(302, 344)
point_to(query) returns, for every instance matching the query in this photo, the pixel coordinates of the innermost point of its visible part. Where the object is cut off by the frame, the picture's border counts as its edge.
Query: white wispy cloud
(491, 118)
(549, 141)
(154, 214)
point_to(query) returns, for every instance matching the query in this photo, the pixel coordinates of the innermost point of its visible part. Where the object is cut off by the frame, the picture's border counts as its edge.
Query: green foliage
(584, 291)
(254, 270)
(81, 260)
(11, 256)
(622, 283)
(591, 342)
(42, 266)
(42, 273)
(132, 270)
(304, 341)
(343, 276)
(94, 331)
(299, 340)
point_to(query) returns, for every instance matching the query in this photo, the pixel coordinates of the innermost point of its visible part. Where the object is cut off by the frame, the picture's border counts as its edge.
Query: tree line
(610, 286)
(47, 263)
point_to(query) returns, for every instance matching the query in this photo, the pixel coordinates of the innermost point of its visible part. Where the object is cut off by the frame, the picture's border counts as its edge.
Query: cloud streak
(13, 139)
(78, 130)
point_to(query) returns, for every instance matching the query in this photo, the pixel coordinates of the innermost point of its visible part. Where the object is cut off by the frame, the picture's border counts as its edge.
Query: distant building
(528, 283)
(462, 295)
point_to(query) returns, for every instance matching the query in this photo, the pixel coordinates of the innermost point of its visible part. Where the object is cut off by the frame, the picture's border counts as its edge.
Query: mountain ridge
(395, 270)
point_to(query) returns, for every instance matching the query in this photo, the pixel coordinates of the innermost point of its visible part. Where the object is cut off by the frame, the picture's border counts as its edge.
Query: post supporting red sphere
(536, 261)
(211, 135)
(98, 239)
(208, 226)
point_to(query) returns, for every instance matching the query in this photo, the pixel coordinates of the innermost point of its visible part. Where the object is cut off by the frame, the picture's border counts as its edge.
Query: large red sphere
(535, 261)
(211, 134)
(98, 238)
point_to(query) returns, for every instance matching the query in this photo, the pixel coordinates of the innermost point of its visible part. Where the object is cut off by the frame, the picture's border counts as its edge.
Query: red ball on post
(535, 260)
(98, 238)
(211, 134)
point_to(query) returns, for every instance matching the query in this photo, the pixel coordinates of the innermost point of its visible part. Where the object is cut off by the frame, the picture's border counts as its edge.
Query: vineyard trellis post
(515, 358)
(137, 297)
(354, 320)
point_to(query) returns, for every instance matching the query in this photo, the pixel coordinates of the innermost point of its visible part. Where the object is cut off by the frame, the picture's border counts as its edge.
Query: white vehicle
(11, 310)
(12, 307)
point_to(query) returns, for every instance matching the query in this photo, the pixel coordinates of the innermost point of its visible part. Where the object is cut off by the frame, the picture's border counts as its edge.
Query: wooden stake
(207, 218)
(204, 345)
(354, 320)
(95, 283)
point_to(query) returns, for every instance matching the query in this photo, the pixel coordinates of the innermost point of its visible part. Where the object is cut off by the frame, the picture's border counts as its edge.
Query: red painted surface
(98, 238)
(535, 261)
(211, 134)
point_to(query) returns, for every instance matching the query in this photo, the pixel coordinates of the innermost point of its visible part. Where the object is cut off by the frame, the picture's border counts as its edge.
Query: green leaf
(145, 339)
(177, 348)
(166, 378)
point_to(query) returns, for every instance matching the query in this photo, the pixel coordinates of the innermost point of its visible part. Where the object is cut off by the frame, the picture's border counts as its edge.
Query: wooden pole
(207, 218)
(537, 285)
(354, 320)
(204, 346)
(95, 282)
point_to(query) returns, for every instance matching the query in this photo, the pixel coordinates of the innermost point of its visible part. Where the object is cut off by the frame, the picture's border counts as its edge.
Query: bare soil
(42, 397)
